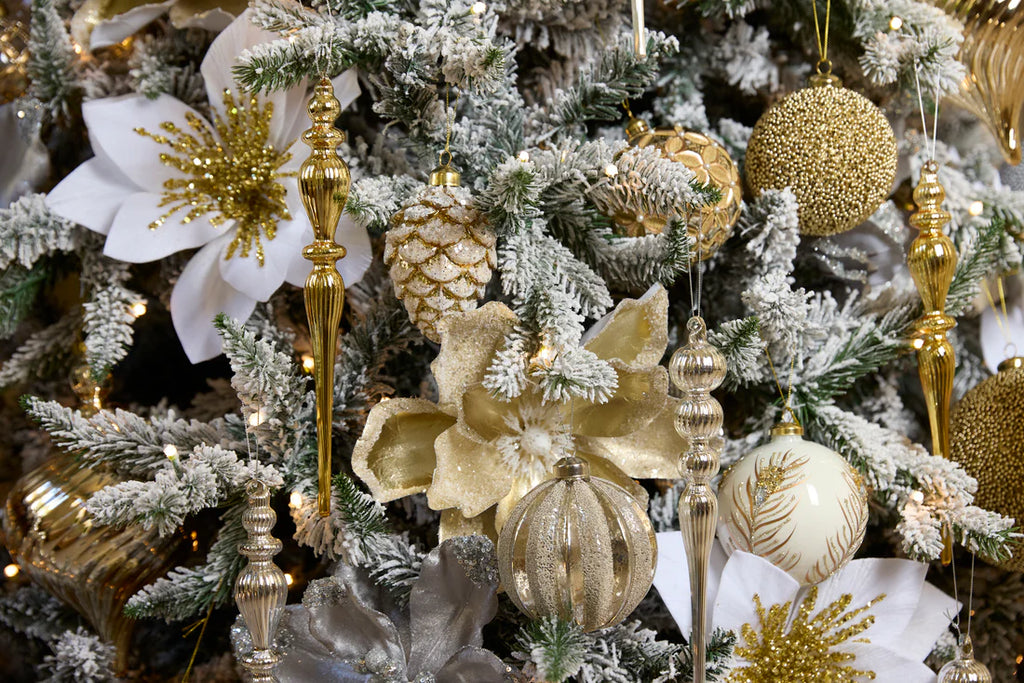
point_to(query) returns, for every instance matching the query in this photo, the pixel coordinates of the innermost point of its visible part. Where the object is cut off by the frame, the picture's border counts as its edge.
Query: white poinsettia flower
(165, 179)
(875, 619)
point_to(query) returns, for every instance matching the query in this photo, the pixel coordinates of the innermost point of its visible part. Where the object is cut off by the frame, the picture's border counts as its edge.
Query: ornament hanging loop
(824, 67)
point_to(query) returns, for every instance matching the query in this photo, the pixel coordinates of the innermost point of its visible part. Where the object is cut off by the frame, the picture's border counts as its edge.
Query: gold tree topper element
(233, 175)
(808, 651)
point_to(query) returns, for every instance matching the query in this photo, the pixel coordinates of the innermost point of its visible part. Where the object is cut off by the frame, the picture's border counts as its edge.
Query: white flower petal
(889, 667)
(934, 611)
(199, 296)
(247, 275)
(900, 581)
(114, 30)
(91, 195)
(746, 575)
(132, 240)
(112, 122)
(993, 342)
(295, 119)
(358, 252)
(672, 579)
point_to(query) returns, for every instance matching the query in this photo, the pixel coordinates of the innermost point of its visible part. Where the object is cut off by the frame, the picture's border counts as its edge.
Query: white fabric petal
(744, 576)
(900, 581)
(934, 611)
(114, 30)
(112, 122)
(260, 282)
(132, 240)
(294, 117)
(993, 342)
(358, 252)
(889, 667)
(91, 195)
(672, 579)
(198, 297)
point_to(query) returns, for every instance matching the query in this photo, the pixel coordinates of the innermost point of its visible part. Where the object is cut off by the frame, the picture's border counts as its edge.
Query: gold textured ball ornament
(711, 165)
(833, 147)
(440, 251)
(579, 547)
(797, 504)
(964, 668)
(987, 439)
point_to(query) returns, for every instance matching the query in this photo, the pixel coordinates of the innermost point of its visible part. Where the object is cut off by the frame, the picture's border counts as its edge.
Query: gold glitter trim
(232, 175)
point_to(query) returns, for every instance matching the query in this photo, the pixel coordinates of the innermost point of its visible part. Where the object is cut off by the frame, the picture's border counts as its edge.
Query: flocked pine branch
(740, 342)
(30, 231)
(79, 656)
(19, 287)
(53, 67)
(556, 648)
(373, 201)
(31, 611)
(108, 319)
(42, 353)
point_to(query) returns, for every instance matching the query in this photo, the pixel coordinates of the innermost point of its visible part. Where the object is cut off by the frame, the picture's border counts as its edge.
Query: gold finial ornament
(639, 35)
(261, 589)
(323, 183)
(696, 369)
(965, 668)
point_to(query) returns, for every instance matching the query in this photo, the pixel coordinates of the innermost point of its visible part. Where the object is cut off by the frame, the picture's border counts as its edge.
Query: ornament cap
(1015, 363)
(825, 80)
(787, 429)
(444, 175)
(572, 467)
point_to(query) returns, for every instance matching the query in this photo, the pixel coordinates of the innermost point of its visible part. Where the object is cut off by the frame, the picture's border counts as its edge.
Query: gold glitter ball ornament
(440, 251)
(795, 503)
(711, 165)
(987, 439)
(832, 147)
(579, 547)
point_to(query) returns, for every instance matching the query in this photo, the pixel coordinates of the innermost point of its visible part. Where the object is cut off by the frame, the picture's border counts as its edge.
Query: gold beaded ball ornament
(711, 165)
(832, 147)
(440, 251)
(987, 439)
(579, 547)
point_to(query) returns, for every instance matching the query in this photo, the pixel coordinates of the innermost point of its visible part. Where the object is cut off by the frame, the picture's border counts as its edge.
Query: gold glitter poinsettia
(476, 455)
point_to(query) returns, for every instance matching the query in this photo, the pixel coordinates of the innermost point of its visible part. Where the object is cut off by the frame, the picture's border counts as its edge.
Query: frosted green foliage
(681, 81)
(927, 40)
(633, 264)
(556, 648)
(29, 231)
(18, 289)
(52, 65)
(628, 654)
(719, 657)
(770, 229)
(744, 58)
(108, 318)
(513, 195)
(41, 353)
(168, 64)
(130, 444)
(31, 611)
(741, 343)
(79, 657)
(373, 201)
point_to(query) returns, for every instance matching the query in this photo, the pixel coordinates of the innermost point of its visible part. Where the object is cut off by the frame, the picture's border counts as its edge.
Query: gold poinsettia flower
(476, 455)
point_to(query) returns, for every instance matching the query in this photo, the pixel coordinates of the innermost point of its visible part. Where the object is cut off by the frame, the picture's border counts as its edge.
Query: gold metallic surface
(987, 439)
(787, 429)
(965, 668)
(13, 59)
(696, 369)
(323, 183)
(577, 546)
(93, 569)
(932, 262)
(260, 589)
(233, 177)
(832, 147)
(711, 165)
(639, 36)
(808, 649)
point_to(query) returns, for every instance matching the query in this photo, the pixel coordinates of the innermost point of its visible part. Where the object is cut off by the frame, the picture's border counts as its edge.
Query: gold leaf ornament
(476, 456)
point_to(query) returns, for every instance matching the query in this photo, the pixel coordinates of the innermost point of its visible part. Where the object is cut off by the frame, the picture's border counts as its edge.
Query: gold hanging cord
(824, 63)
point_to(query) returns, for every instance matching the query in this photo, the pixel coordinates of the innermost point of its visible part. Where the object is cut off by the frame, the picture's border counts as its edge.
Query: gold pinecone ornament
(833, 147)
(987, 439)
(440, 251)
(711, 165)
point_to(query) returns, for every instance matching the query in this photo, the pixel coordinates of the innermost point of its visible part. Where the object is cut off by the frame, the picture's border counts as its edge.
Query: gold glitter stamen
(232, 175)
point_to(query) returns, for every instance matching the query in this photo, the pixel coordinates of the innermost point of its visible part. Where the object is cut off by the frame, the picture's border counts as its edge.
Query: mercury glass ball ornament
(965, 668)
(795, 503)
(578, 547)
(833, 147)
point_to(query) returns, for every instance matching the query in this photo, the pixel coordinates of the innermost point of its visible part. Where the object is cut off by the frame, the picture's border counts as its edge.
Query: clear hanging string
(786, 396)
(935, 117)
(1001, 315)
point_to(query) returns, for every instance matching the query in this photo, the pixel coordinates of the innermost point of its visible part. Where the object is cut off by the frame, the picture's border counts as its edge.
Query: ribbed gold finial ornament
(323, 183)
(696, 369)
(261, 588)
(965, 668)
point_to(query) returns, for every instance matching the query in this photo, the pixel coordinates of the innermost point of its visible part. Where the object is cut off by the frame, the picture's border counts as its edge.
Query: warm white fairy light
(611, 170)
(524, 156)
(307, 362)
(896, 23)
(976, 208)
(256, 417)
(171, 451)
(139, 309)
(289, 579)
(478, 8)
(295, 500)
(11, 570)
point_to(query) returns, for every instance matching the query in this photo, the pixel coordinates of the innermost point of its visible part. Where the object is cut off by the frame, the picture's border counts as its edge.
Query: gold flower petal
(454, 523)
(606, 469)
(185, 13)
(483, 416)
(648, 453)
(469, 476)
(641, 396)
(468, 344)
(395, 454)
(520, 487)
(635, 333)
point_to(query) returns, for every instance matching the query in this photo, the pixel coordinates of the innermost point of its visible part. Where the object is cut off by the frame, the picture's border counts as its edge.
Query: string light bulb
(12, 570)
(896, 23)
(295, 500)
(976, 208)
(611, 170)
(478, 8)
(523, 156)
(171, 451)
(289, 579)
(139, 309)
(307, 362)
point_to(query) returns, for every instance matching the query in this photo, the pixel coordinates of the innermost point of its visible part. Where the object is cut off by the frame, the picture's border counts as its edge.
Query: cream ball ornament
(795, 503)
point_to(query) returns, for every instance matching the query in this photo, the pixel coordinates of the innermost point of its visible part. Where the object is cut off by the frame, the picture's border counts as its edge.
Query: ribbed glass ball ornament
(833, 147)
(986, 436)
(579, 547)
(965, 668)
(795, 503)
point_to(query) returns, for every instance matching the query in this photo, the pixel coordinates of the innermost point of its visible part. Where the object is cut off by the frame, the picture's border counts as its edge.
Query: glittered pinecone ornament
(987, 439)
(711, 165)
(579, 547)
(832, 147)
(965, 668)
(795, 503)
(440, 251)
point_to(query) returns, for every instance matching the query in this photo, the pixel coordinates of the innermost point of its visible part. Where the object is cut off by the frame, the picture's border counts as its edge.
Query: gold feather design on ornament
(763, 508)
(848, 538)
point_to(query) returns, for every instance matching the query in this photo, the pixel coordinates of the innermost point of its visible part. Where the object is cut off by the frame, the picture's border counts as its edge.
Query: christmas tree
(547, 200)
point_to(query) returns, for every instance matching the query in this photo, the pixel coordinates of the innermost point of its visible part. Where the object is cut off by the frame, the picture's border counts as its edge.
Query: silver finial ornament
(965, 668)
